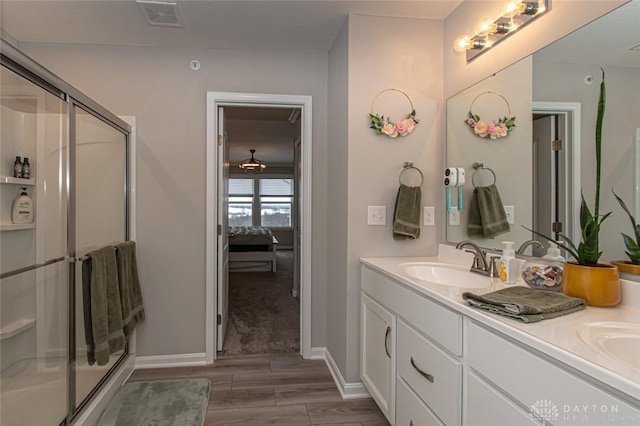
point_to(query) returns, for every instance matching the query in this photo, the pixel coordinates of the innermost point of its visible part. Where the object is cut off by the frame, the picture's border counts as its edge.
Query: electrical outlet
(377, 215)
(454, 216)
(428, 216)
(510, 211)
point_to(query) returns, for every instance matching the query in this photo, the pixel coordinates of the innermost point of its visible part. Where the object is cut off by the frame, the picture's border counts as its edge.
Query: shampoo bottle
(508, 270)
(22, 208)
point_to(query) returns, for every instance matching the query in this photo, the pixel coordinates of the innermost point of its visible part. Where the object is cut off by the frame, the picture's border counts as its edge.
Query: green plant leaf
(636, 226)
(571, 249)
(585, 214)
(633, 249)
(599, 119)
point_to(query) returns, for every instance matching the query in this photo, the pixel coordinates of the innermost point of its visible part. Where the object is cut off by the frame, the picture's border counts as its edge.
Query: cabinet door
(377, 362)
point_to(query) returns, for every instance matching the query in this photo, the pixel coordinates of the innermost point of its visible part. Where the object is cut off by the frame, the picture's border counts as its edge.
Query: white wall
(168, 99)
(388, 53)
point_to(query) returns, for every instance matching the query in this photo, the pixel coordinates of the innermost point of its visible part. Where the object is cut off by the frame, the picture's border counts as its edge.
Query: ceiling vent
(160, 13)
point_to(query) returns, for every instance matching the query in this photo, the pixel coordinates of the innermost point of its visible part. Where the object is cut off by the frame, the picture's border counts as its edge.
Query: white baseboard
(164, 361)
(93, 410)
(353, 390)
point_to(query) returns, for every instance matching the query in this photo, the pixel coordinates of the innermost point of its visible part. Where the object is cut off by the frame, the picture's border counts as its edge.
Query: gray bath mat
(159, 403)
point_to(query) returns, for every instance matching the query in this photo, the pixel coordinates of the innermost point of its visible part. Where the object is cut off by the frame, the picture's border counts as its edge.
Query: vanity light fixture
(251, 165)
(488, 33)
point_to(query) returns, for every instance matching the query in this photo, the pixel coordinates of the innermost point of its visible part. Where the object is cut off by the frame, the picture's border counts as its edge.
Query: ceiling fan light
(251, 165)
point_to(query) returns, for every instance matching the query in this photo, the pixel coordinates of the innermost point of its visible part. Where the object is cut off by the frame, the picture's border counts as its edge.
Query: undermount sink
(617, 341)
(445, 274)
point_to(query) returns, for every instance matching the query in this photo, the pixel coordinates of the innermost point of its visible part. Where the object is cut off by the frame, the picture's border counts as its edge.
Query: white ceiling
(240, 24)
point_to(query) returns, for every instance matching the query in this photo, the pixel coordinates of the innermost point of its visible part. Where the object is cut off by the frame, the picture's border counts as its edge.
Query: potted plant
(597, 283)
(632, 266)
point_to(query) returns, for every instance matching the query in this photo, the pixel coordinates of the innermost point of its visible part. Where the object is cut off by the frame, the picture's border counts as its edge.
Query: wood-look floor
(273, 390)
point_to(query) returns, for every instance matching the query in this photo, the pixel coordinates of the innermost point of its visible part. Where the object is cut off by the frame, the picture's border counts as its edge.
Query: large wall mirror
(554, 94)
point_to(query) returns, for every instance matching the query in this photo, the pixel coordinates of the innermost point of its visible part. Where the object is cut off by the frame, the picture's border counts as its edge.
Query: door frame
(223, 99)
(572, 169)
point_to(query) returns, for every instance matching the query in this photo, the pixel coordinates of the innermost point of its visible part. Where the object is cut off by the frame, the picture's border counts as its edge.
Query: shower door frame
(19, 63)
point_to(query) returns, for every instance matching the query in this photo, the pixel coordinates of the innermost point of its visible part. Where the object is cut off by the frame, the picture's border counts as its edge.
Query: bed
(254, 246)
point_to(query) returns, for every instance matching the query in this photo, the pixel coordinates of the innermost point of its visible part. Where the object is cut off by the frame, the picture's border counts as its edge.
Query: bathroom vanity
(427, 358)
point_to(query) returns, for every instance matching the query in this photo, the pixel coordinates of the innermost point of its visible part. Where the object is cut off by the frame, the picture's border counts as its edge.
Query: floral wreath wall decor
(494, 129)
(384, 126)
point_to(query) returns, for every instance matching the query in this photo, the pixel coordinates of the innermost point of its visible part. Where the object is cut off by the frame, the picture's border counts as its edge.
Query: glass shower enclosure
(78, 184)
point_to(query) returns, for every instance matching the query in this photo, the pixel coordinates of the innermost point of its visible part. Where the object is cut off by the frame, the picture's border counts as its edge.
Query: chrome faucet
(528, 243)
(480, 264)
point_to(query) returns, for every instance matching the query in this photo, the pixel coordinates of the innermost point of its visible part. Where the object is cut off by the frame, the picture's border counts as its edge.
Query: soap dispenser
(22, 208)
(508, 269)
(545, 273)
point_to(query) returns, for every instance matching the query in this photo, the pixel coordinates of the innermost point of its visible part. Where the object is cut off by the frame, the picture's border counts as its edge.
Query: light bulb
(511, 9)
(462, 44)
(484, 27)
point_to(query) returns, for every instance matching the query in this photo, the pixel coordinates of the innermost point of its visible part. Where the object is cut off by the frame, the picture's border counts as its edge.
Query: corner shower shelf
(17, 181)
(16, 226)
(16, 328)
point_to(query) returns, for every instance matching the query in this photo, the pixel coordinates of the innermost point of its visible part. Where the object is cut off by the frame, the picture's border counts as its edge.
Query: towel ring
(480, 166)
(409, 166)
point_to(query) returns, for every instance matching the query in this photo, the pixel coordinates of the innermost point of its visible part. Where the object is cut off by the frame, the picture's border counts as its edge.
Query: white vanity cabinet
(520, 383)
(425, 341)
(432, 363)
(377, 362)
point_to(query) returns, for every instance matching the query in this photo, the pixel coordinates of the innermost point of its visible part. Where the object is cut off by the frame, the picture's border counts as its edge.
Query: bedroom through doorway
(261, 187)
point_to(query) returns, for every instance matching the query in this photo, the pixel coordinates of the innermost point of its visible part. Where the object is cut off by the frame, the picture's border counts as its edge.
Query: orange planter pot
(597, 285)
(626, 267)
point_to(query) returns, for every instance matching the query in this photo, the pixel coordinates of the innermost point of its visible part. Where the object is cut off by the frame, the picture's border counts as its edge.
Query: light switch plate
(428, 216)
(377, 215)
(510, 211)
(454, 216)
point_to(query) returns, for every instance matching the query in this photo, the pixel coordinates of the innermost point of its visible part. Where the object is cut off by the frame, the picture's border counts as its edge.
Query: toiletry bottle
(17, 168)
(22, 208)
(26, 169)
(508, 270)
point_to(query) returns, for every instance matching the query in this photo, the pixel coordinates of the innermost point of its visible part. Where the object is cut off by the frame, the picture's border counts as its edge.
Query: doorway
(556, 170)
(219, 159)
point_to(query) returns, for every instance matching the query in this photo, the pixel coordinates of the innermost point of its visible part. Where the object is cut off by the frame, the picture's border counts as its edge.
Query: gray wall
(565, 82)
(337, 198)
(386, 53)
(168, 99)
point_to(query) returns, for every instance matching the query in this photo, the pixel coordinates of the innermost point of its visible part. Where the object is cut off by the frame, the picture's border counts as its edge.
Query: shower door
(100, 159)
(34, 295)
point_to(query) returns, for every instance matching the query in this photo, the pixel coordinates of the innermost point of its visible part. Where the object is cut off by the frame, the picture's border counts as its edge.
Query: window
(276, 200)
(241, 202)
(261, 201)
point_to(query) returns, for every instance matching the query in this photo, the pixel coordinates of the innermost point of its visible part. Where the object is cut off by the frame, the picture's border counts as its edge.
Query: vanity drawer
(410, 411)
(433, 374)
(532, 380)
(435, 320)
(485, 406)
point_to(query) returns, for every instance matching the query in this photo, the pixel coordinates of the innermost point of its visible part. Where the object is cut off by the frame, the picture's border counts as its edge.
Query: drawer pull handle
(386, 338)
(410, 422)
(424, 374)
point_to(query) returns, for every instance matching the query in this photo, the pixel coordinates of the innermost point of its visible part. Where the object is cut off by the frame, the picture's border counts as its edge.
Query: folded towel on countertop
(487, 218)
(406, 213)
(525, 304)
(102, 308)
(130, 292)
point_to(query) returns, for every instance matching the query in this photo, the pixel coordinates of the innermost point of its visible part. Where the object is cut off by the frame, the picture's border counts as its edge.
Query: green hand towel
(487, 218)
(406, 214)
(130, 292)
(525, 304)
(102, 292)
